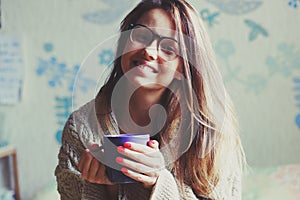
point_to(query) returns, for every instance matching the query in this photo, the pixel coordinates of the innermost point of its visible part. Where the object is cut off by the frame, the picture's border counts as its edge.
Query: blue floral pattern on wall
(236, 7)
(253, 82)
(209, 16)
(296, 81)
(284, 62)
(106, 57)
(63, 109)
(294, 3)
(59, 75)
(114, 10)
(255, 30)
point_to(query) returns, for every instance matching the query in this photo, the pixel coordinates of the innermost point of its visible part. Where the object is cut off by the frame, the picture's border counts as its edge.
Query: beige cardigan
(84, 127)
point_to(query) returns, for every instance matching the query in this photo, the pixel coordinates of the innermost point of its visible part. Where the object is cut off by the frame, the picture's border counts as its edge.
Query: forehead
(160, 21)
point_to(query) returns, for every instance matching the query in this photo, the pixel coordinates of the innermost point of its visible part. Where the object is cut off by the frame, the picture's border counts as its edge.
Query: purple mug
(110, 144)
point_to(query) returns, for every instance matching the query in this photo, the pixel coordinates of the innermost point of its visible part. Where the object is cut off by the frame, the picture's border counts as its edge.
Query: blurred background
(43, 43)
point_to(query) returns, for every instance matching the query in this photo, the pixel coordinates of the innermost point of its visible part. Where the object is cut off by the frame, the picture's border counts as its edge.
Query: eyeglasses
(142, 36)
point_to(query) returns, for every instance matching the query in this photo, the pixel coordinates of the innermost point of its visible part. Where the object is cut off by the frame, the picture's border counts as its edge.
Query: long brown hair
(213, 149)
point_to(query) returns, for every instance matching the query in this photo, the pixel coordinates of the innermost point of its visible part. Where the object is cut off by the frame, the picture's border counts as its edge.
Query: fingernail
(124, 170)
(127, 145)
(119, 159)
(152, 141)
(120, 149)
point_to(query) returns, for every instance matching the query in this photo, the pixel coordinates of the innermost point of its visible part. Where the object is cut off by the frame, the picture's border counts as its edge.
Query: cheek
(167, 75)
(125, 59)
(174, 70)
(173, 67)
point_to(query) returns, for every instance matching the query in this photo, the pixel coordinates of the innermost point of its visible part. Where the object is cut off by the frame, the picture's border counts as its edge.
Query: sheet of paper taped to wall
(11, 69)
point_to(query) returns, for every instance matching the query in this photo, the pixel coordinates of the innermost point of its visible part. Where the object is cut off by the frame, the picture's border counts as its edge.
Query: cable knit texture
(83, 128)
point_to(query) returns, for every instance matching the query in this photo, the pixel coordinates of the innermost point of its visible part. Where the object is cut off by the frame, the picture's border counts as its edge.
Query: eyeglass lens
(167, 47)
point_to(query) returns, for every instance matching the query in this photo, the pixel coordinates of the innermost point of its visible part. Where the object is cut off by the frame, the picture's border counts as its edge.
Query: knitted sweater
(82, 128)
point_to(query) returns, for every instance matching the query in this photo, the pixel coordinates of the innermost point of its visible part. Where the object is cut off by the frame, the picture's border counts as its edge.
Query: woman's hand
(144, 164)
(91, 169)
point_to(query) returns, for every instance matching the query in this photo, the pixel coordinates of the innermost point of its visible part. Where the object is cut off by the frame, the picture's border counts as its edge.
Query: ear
(178, 76)
(178, 73)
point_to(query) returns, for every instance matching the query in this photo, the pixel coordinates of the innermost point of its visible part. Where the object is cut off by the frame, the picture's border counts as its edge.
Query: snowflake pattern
(236, 7)
(63, 110)
(63, 77)
(254, 82)
(296, 81)
(106, 57)
(285, 62)
(54, 69)
(294, 3)
(60, 76)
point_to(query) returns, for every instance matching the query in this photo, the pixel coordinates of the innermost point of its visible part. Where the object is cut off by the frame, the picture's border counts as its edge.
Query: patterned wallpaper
(284, 61)
(257, 47)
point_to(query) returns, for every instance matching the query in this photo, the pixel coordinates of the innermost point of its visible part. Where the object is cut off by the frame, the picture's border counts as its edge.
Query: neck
(141, 102)
(139, 105)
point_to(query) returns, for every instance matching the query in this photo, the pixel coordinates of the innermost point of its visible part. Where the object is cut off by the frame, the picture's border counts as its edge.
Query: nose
(151, 52)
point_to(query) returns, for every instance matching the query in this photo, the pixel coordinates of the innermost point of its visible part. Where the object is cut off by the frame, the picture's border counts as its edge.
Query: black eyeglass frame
(154, 36)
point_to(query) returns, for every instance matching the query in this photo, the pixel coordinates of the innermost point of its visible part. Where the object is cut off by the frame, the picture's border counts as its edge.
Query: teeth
(146, 68)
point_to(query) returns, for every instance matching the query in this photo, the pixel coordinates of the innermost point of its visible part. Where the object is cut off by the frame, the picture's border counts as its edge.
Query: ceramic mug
(110, 144)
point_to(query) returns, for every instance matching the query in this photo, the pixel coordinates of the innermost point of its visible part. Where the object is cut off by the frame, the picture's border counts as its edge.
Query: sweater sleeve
(69, 182)
(229, 188)
(167, 188)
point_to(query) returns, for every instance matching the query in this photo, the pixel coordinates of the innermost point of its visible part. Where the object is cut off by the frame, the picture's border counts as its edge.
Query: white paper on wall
(11, 69)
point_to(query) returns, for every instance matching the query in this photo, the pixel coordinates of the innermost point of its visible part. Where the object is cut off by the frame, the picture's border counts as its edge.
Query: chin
(138, 82)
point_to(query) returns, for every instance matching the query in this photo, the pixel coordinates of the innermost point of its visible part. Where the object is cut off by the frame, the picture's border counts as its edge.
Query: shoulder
(229, 185)
(79, 117)
(82, 113)
(83, 124)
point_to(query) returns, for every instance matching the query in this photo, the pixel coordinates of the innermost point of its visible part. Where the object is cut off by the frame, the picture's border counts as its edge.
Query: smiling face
(146, 65)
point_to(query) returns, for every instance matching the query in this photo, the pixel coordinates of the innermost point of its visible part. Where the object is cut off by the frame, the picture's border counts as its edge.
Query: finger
(101, 177)
(146, 180)
(137, 167)
(154, 144)
(153, 159)
(82, 160)
(140, 148)
(137, 156)
(86, 165)
(93, 170)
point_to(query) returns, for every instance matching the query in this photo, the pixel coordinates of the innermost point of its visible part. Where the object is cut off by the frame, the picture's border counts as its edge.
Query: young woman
(164, 58)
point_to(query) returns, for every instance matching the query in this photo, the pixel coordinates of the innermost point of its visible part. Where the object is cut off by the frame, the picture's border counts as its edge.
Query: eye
(141, 38)
(169, 46)
(141, 35)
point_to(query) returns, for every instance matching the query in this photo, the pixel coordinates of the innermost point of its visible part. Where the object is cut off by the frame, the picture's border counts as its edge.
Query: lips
(146, 66)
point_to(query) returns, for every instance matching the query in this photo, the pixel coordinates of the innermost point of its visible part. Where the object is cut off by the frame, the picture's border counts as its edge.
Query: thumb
(153, 144)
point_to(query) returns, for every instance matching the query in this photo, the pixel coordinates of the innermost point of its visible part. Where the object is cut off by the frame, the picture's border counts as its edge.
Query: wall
(257, 46)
